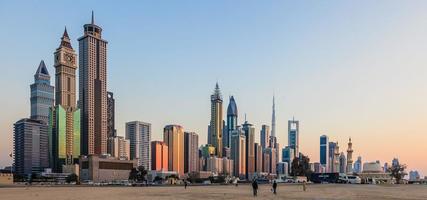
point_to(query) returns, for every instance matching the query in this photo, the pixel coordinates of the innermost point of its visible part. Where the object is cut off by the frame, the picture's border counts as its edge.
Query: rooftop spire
(273, 119)
(65, 33)
(93, 18)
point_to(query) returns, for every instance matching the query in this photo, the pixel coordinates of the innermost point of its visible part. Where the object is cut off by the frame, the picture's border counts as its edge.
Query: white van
(353, 179)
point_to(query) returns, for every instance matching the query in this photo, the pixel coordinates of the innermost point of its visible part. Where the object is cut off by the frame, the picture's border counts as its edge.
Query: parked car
(353, 179)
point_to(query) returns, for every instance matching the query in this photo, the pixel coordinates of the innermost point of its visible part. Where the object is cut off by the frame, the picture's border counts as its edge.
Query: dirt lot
(317, 191)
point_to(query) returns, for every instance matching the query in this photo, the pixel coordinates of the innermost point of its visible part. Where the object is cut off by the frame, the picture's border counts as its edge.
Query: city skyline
(317, 116)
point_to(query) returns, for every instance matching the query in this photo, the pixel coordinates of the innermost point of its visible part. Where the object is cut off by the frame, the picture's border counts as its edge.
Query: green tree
(397, 172)
(138, 174)
(301, 166)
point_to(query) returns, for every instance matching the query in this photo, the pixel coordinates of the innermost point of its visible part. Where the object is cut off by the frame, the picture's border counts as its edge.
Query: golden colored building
(173, 136)
(159, 156)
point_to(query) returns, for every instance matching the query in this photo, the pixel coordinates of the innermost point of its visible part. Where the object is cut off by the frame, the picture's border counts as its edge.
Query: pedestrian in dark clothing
(185, 184)
(274, 187)
(255, 187)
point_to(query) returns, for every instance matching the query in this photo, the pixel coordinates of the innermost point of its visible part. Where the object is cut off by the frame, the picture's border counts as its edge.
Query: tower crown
(92, 29)
(42, 75)
(232, 107)
(65, 40)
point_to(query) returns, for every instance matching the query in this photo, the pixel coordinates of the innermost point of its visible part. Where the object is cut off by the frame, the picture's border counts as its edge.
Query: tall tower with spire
(273, 119)
(216, 121)
(64, 124)
(41, 94)
(350, 157)
(93, 90)
(232, 122)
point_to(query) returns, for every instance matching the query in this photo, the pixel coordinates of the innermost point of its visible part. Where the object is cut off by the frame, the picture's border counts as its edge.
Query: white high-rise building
(139, 135)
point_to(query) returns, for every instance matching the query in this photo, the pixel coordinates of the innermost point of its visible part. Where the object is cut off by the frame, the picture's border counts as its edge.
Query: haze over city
(344, 69)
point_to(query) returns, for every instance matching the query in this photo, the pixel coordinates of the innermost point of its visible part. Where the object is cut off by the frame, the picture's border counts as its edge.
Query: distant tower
(350, 157)
(265, 136)
(191, 152)
(342, 163)
(249, 131)
(216, 121)
(293, 136)
(173, 136)
(93, 90)
(65, 122)
(324, 150)
(41, 94)
(232, 115)
(273, 120)
(139, 136)
(111, 130)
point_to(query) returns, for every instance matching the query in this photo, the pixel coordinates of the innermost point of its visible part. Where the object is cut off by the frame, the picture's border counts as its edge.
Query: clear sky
(343, 68)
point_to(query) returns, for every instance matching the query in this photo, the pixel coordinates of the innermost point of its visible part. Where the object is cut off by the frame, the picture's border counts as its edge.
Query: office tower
(395, 162)
(227, 166)
(173, 136)
(64, 121)
(191, 152)
(238, 152)
(232, 115)
(93, 90)
(265, 136)
(159, 156)
(209, 135)
(293, 136)
(282, 168)
(349, 157)
(224, 136)
(385, 168)
(331, 161)
(358, 165)
(258, 158)
(266, 160)
(139, 136)
(30, 146)
(249, 132)
(324, 151)
(288, 156)
(342, 163)
(271, 159)
(216, 121)
(119, 147)
(41, 94)
(414, 176)
(111, 130)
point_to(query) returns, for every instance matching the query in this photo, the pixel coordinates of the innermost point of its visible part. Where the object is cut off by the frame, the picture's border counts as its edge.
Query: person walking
(304, 186)
(185, 184)
(255, 187)
(274, 187)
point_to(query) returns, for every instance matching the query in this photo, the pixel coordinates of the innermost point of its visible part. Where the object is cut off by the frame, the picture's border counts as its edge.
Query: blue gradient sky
(343, 68)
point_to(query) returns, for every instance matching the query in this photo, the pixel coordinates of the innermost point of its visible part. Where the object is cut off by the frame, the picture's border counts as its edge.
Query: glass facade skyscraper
(293, 136)
(42, 94)
(324, 152)
(232, 115)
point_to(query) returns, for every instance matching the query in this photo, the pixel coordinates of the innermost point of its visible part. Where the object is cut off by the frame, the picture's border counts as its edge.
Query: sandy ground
(317, 191)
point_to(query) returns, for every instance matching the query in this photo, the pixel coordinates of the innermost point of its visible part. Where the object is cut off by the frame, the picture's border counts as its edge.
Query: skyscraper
(119, 147)
(342, 163)
(349, 157)
(337, 158)
(331, 161)
(41, 94)
(271, 152)
(324, 151)
(273, 120)
(173, 136)
(139, 135)
(93, 90)
(216, 121)
(30, 146)
(293, 136)
(258, 158)
(249, 132)
(111, 130)
(191, 152)
(288, 156)
(265, 136)
(358, 165)
(238, 152)
(232, 122)
(64, 122)
(159, 156)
